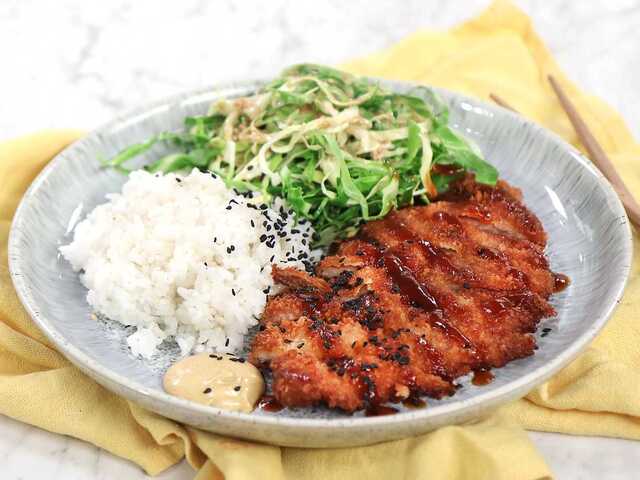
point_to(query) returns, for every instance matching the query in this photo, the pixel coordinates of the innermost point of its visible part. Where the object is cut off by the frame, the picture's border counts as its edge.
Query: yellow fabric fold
(599, 393)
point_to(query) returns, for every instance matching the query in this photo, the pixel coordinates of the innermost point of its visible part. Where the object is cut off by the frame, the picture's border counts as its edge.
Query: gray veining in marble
(76, 63)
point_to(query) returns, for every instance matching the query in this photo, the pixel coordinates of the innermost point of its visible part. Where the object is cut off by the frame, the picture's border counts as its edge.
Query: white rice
(170, 257)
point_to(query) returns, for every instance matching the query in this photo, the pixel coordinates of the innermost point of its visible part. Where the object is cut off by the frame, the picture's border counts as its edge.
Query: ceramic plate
(589, 240)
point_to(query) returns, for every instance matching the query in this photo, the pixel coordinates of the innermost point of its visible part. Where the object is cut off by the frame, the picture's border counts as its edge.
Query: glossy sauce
(447, 218)
(478, 212)
(415, 291)
(268, 403)
(560, 282)
(500, 305)
(414, 403)
(379, 410)
(407, 283)
(482, 377)
(488, 254)
(222, 381)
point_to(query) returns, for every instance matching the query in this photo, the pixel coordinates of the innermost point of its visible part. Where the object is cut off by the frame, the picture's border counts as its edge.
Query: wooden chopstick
(596, 153)
(500, 101)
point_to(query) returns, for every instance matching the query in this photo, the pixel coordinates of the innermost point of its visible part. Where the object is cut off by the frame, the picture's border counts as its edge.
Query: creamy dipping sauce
(222, 381)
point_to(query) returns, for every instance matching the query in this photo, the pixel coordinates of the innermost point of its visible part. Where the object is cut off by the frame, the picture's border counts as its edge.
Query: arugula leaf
(340, 150)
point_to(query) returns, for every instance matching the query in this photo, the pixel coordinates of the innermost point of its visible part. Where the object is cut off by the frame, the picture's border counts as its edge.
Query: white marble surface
(76, 63)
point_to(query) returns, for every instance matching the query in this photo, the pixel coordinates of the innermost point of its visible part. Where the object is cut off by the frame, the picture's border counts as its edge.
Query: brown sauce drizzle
(415, 291)
(268, 403)
(499, 305)
(379, 410)
(478, 212)
(400, 230)
(482, 377)
(447, 218)
(434, 254)
(488, 254)
(407, 283)
(412, 402)
(560, 282)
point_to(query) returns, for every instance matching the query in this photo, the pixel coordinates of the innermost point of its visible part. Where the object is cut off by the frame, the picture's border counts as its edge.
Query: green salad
(340, 150)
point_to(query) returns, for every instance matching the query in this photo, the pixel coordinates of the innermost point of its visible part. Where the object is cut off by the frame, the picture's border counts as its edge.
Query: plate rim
(121, 385)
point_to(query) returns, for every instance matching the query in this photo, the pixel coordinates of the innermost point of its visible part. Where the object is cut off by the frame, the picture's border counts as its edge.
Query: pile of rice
(184, 258)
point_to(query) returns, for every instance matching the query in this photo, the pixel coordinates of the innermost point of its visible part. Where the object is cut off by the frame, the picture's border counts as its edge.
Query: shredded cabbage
(340, 150)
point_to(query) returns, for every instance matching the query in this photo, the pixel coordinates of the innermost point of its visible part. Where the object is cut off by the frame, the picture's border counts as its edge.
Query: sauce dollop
(482, 377)
(268, 403)
(222, 381)
(379, 410)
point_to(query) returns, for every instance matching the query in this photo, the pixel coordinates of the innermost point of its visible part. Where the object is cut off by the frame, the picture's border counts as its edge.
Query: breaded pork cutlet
(416, 300)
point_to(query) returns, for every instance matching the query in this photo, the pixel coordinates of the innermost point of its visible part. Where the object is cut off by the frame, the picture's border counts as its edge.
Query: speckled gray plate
(589, 239)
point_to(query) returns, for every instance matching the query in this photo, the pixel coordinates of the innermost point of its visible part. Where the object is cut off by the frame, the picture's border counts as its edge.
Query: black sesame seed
(233, 292)
(206, 390)
(178, 180)
(228, 207)
(271, 259)
(215, 239)
(353, 344)
(300, 345)
(205, 264)
(253, 225)
(213, 175)
(237, 388)
(263, 237)
(226, 344)
(295, 230)
(263, 207)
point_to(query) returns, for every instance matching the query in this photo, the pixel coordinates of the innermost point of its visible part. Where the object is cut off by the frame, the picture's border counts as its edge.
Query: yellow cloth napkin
(598, 394)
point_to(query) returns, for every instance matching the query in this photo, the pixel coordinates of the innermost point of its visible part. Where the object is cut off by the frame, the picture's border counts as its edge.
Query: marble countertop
(77, 63)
